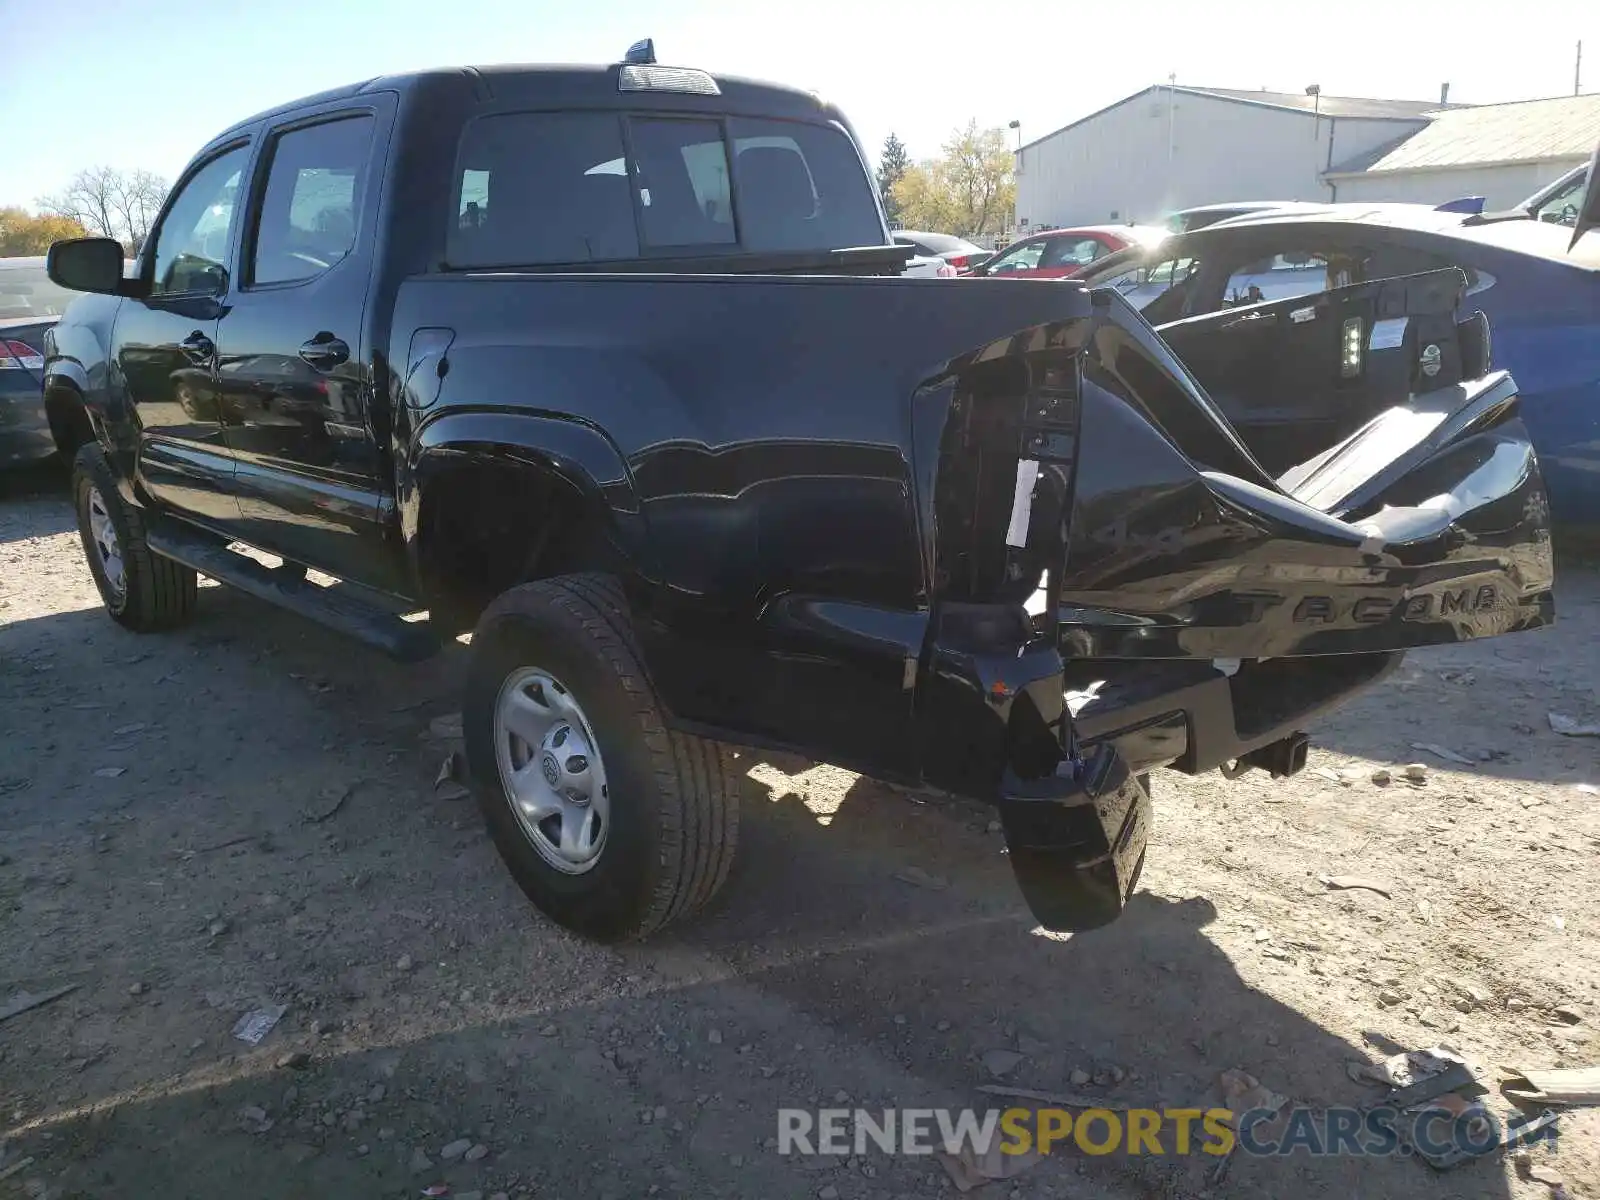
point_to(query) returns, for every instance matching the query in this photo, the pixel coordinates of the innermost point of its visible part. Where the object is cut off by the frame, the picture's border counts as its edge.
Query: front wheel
(142, 590)
(612, 824)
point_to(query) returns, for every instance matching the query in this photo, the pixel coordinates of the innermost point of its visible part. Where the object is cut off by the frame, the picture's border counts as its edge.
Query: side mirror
(86, 265)
(1589, 210)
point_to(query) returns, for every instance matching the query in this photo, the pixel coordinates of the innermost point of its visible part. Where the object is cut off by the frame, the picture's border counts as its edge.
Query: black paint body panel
(808, 484)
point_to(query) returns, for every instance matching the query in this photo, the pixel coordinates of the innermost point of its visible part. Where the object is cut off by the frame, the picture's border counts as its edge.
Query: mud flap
(1077, 839)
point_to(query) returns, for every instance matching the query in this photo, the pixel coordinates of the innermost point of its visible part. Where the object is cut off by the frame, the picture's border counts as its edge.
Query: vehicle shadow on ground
(820, 971)
(896, 1015)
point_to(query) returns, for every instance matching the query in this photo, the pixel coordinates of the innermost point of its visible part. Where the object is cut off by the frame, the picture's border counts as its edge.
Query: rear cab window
(551, 189)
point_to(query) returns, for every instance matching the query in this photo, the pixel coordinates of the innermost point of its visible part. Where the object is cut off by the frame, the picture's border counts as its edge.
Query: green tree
(969, 190)
(979, 171)
(892, 166)
(22, 234)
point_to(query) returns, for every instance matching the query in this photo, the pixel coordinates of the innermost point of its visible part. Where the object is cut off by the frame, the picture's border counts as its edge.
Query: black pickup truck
(614, 367)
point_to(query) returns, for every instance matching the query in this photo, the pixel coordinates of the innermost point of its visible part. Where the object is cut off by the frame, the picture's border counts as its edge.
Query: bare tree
(111, 203)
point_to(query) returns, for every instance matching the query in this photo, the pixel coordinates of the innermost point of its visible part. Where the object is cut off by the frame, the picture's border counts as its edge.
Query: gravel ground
(195, 825)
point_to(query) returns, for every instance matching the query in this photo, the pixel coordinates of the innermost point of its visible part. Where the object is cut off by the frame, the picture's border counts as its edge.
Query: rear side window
(553, 188)
(313, 198)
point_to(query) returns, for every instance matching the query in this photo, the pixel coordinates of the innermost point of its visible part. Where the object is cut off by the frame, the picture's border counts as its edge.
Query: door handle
(325, 351)
(198, 348)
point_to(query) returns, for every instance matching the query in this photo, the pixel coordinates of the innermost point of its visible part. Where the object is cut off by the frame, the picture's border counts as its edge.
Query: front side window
(1158, 289)
(1071, 252)
(313, 197)
(191, 247)
(1024, 258)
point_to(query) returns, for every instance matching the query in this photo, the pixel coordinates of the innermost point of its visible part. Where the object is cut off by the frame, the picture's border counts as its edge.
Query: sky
(143, 83)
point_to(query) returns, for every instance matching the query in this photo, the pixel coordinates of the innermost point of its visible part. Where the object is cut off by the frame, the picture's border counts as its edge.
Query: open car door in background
(1297, 375)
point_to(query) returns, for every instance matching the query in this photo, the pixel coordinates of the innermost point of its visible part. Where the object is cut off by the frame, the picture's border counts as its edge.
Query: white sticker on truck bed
(1388, 333)
(1022, 502)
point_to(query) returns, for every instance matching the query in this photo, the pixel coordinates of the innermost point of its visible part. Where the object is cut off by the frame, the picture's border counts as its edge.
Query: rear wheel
(610, 823)
(142, 590)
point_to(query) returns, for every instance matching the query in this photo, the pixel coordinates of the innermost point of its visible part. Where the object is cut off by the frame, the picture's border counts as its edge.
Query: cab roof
(567, 86)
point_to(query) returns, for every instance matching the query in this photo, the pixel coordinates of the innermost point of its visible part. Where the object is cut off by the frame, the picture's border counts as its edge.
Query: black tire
(674, 798)
(157, 593)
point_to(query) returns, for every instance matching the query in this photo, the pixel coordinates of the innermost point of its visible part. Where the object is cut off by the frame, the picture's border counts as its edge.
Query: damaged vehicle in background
(1537, 285)
(614, 367)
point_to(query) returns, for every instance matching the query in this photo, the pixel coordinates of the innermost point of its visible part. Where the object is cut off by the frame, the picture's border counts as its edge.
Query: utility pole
(1577, 71)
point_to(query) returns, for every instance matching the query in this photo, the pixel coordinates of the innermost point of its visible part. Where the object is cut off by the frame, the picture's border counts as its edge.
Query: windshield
(1561, 206)
(26, 291)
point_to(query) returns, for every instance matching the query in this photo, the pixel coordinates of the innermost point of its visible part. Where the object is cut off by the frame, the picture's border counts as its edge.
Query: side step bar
(287, 587)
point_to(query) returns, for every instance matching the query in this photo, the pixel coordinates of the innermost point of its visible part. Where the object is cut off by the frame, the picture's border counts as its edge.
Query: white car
(928, 266)
(958, 252)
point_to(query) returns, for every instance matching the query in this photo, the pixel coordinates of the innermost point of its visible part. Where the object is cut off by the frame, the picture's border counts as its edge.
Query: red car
(1059, 253)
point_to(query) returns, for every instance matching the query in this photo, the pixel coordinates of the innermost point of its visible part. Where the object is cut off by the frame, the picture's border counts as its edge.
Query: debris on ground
(448, 783)
(110, 772)
(1416, 773)
(1538, 1172)
(1575, 1085)
(23, 1001)
(254, 1119)
(968, 1170)
(1345, 883)
(16, 1168)
(1570, 726)
(1382, 777)
(1443, 752)
(1001, 1063)
(1242, 1093)
(1412, 1066)
(446, 728)
(331, 801)
(1058, 1099)
(917, 877)
(258, 1022)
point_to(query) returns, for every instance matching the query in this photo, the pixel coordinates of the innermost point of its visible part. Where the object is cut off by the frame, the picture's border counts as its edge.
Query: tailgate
(1412, 532)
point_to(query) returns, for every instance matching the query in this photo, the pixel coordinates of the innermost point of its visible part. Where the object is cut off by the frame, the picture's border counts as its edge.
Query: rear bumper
(992, 713)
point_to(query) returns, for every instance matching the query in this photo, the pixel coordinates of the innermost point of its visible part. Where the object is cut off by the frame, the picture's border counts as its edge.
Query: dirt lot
(171, 842)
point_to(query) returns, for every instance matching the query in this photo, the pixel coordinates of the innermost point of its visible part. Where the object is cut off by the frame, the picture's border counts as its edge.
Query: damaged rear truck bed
(613, 367)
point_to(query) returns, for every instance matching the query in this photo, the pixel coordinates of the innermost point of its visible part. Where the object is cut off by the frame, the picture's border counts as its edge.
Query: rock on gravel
(456, 1149)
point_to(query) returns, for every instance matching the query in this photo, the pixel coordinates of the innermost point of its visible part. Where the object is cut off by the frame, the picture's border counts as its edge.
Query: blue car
(1530, 271)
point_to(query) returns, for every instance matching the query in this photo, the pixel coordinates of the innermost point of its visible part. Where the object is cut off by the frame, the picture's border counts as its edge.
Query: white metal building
(1172, 147)
(1502, 152)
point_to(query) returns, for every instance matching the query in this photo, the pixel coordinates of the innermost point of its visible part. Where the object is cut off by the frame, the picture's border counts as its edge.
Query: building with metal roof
(1502, 152)
(1172, 147)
